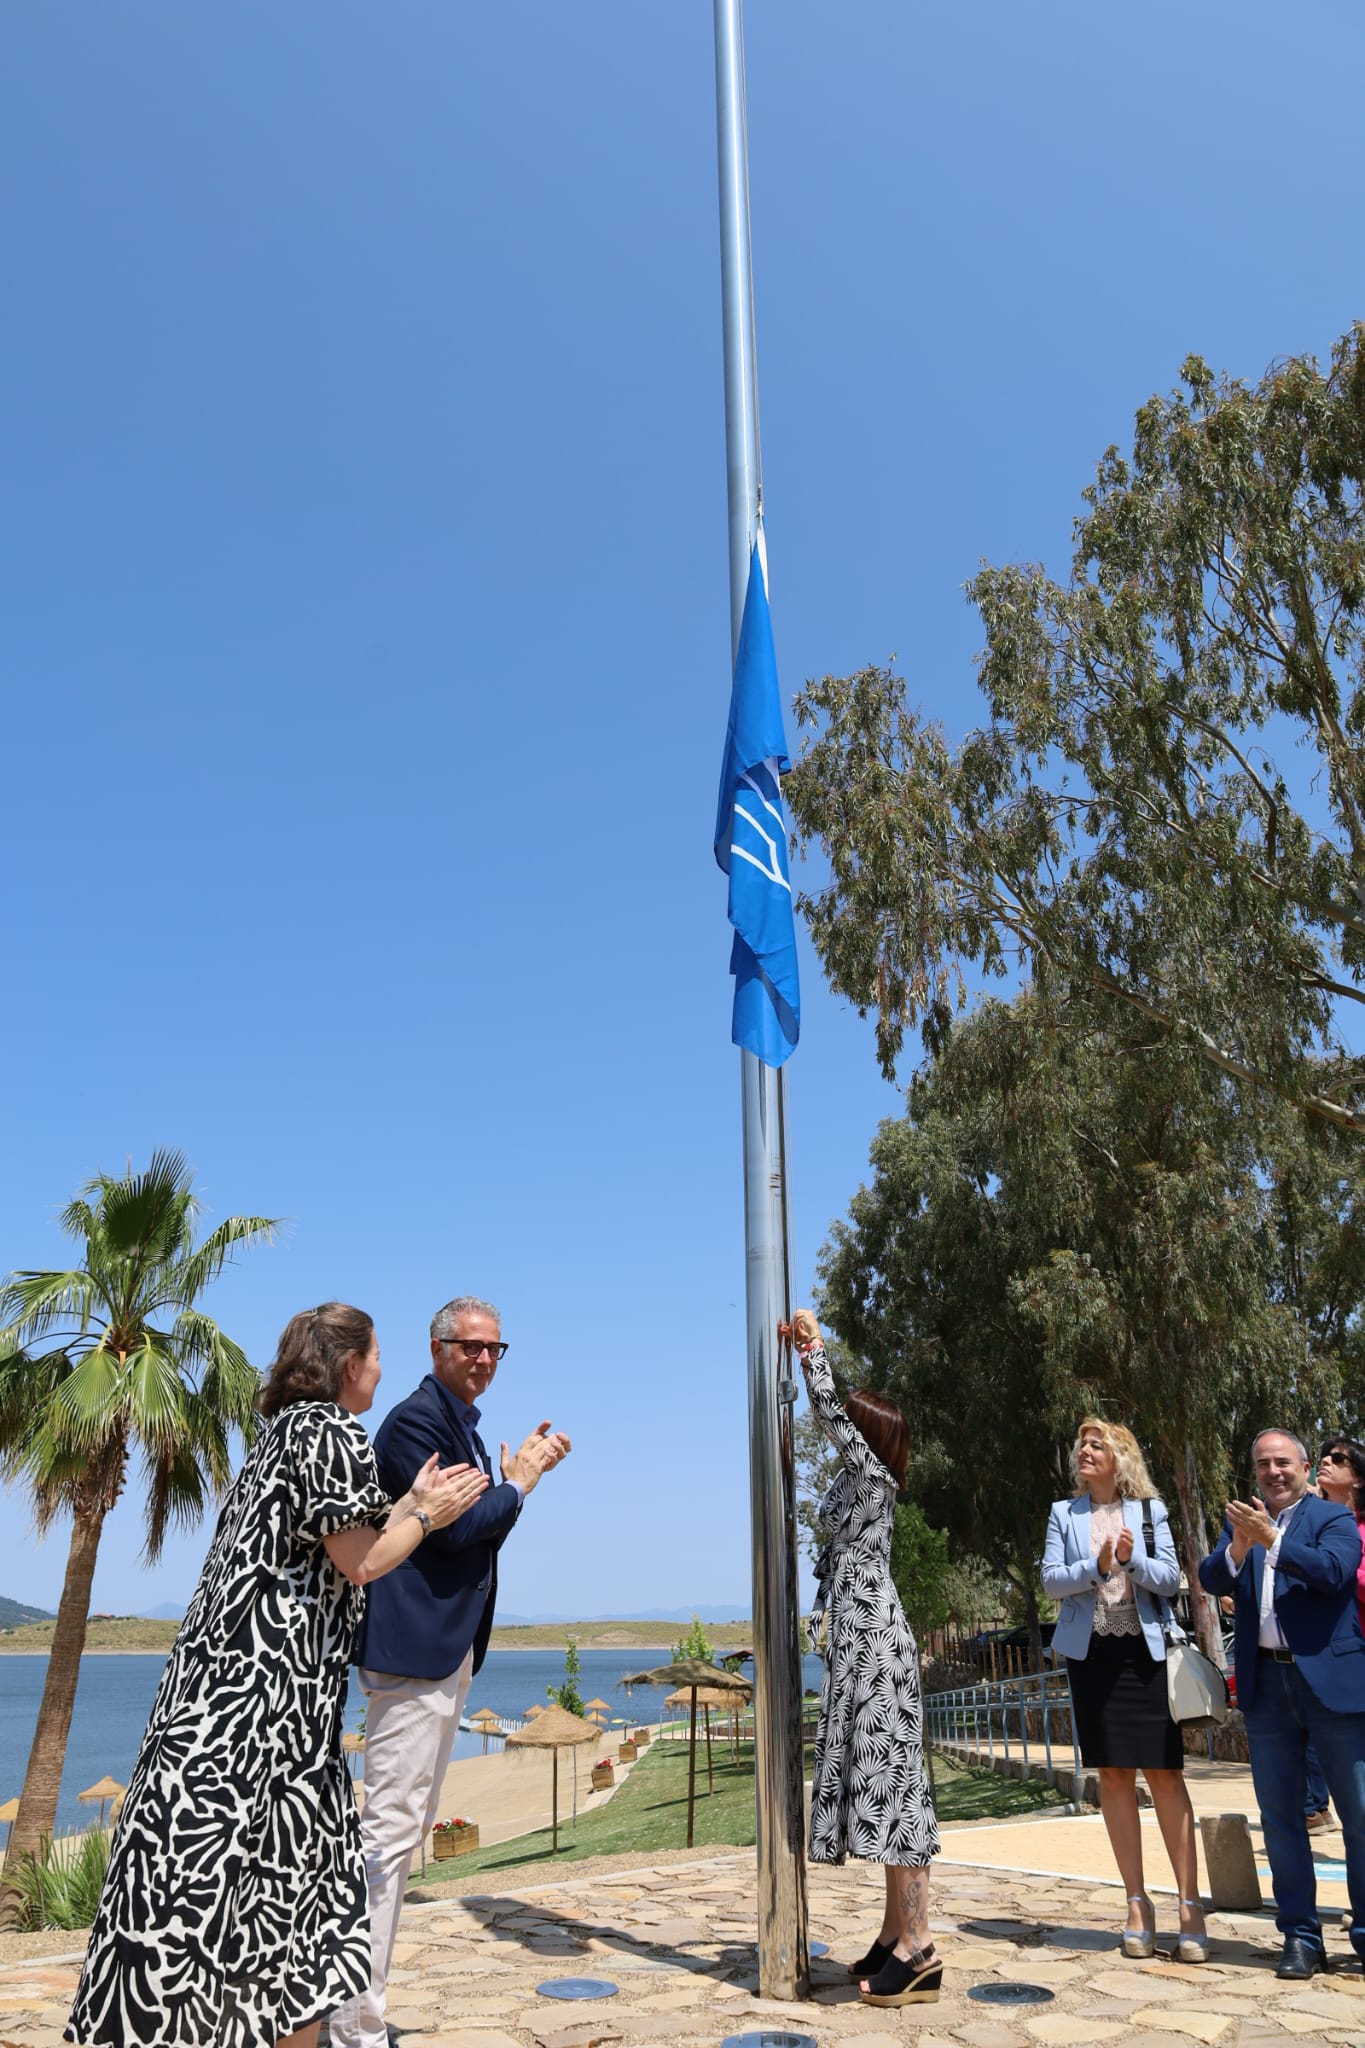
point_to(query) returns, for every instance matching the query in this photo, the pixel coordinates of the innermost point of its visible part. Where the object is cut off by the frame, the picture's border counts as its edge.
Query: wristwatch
(419, 1515)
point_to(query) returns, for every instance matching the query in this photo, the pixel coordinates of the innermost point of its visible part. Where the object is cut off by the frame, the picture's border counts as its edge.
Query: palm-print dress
(871, 1795)
(235, 1907)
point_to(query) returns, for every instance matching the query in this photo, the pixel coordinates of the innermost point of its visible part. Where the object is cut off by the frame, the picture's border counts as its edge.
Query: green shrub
(61, 1885)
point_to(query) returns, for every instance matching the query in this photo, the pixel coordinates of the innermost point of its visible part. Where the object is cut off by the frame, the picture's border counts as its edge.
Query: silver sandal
(1192, 1948)
(1139, 1943)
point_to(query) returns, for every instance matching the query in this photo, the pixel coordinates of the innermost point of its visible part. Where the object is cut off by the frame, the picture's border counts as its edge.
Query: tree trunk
(37, 1815)
(1035, 1624)
(1194, 1546)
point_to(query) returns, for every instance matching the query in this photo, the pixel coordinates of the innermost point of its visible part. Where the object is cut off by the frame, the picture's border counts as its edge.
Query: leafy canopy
(113, 1355)
(1166, 804)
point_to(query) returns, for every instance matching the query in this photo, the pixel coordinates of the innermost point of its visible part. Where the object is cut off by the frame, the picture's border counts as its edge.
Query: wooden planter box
(454, 1842)
(642, 1738)
(626, 1753)
(603, 1777)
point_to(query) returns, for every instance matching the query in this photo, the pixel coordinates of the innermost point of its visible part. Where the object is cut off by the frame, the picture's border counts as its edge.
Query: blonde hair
(1131, 1477)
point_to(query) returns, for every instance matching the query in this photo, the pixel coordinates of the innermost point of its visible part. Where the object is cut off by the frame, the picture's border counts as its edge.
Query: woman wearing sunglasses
(1341, 1477)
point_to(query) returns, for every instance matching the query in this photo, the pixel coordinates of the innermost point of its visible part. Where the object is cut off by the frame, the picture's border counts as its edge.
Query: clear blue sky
(363, 603)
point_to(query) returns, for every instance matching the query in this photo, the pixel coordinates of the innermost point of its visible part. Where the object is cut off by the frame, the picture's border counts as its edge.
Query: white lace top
(1116, 1611)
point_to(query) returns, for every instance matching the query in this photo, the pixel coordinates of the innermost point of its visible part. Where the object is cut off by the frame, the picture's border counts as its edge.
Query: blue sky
(364, 614)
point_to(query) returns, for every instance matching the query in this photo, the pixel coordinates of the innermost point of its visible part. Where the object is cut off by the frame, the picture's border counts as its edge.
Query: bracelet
(419, 1515)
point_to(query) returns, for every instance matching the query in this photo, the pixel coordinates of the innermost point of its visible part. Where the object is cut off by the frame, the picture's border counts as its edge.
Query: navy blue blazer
(1315, 1603)
(422, 1619)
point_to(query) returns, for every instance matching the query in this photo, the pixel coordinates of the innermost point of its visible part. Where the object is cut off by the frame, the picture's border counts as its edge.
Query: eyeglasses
(474, 1348)
(1335, 1458)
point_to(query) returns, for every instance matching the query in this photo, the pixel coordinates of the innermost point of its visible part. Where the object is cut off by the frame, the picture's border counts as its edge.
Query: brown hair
(883, 1429)
(311, 1354)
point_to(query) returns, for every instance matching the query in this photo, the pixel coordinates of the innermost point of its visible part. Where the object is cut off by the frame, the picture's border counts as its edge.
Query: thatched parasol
(9, 1813)
(486, 1723)
(554, 1729)
(107, 1789)
(598, 1707)
(697, 1675)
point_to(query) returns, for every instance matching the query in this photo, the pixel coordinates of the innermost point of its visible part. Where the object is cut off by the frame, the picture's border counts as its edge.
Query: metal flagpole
(783, 1961)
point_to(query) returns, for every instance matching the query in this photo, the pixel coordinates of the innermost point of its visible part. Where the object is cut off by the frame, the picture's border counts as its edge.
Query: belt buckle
(1283, 1656)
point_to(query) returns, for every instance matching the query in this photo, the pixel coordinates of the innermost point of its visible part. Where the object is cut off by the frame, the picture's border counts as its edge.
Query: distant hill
(679, 1615)
(13, 1613)
(167, 1610)
(105, 1632)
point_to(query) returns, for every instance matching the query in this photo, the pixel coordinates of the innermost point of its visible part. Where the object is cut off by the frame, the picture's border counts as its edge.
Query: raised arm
(857, 1455)
(407, 1438)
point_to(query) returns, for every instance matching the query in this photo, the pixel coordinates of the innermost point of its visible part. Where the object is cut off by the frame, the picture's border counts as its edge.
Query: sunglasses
(1336, 1457)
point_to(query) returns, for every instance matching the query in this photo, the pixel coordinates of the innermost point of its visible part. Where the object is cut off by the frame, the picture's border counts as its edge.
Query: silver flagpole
(783, 1960)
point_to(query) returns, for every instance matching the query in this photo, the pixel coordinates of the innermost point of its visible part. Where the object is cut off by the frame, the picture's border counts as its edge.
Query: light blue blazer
(1070, 1575)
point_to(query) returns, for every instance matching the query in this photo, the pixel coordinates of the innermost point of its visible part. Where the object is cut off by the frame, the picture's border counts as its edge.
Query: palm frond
(147, 1216)
(175, 1496)
(33, 1304)
(155, 1397)
(78, 1219)
(203, 1265)
(91, 1399)
(228, 1379)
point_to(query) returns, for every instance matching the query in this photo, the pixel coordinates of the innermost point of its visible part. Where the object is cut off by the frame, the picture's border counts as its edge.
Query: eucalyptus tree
(110, 1361)
(1165, 805)
(1071, 1217)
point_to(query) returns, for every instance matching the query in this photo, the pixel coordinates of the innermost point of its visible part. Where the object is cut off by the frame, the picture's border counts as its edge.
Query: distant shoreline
(154, 1638)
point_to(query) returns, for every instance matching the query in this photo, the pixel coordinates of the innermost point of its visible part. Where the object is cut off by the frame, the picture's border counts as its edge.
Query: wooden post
(554, 1802)
(692, 1768)
(710, 1774)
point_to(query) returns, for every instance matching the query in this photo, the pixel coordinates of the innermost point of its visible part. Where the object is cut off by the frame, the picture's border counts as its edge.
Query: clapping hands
(543, 1449)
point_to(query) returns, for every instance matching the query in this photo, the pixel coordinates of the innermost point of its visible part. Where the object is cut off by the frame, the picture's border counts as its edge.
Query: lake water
(115, 1696)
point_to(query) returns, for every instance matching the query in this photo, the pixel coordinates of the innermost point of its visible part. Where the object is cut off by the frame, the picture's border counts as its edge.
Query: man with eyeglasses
(1290, 1562)
(426, 1625)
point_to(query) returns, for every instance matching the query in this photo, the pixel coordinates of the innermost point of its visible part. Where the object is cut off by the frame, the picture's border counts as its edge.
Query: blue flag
(751, 841)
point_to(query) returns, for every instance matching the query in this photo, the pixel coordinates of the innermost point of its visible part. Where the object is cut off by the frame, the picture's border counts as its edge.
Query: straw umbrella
(107, 1789)
(711, 1696)
(486, 1723)
(598, 1707)
(695, 1673)
(553, 1729)
(9, 1813)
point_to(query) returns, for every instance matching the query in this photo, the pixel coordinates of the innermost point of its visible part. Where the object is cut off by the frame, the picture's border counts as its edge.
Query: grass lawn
(649, 1812)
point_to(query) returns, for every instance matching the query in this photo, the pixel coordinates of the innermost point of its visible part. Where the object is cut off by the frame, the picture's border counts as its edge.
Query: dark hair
(1356, 1453)
(313, 1348)
(883, 1429)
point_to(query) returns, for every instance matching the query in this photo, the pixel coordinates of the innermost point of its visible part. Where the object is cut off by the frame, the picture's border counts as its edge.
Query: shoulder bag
(1196, 1690)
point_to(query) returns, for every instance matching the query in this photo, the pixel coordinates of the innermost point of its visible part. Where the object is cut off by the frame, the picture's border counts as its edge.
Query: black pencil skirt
(1118, 1695)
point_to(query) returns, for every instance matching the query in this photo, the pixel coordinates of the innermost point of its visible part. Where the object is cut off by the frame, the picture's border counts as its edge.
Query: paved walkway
(1076, 1846)
(677, 1938)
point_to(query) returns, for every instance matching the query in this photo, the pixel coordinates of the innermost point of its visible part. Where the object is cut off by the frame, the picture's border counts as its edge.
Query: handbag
(1196, 1690)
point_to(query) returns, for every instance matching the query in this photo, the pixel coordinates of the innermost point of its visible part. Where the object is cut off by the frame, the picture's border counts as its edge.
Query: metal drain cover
(769, 2037)
(577, 1987)
(1011, 1994)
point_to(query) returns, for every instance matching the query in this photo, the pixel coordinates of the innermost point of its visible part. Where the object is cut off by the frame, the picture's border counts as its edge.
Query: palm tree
(109, 1358)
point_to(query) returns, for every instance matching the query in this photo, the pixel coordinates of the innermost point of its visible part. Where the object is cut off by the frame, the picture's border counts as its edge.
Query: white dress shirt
(1271, 1635)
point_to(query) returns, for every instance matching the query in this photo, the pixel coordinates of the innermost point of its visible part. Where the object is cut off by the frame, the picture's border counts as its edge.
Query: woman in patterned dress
(871, 1796)
(234, 1911)
(1110, 1585)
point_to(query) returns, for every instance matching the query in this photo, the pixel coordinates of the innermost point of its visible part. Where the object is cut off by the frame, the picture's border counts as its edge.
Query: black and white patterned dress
(235, 1908)
(871, 1795)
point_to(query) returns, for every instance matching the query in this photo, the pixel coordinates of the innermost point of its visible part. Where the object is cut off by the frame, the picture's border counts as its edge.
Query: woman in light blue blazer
(1110, 1586)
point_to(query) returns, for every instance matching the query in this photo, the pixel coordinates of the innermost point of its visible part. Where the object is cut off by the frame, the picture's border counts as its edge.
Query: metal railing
(1005, 1716)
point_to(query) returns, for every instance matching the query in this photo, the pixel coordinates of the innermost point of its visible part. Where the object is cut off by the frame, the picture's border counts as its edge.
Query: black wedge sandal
(906, 1983)
(877, 1955)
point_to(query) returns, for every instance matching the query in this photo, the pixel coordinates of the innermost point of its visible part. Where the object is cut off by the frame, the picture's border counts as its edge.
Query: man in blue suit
(427, 1624)
(1289, 1560)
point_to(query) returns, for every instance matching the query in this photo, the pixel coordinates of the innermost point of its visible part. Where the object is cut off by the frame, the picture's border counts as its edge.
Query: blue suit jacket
(422, 1619)
(1315, 1603)
(1070, 1574)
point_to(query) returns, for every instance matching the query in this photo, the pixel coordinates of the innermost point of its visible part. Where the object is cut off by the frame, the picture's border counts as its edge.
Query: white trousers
(410, 1729)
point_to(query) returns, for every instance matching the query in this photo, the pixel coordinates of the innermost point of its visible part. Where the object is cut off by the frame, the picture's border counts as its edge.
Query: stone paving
(677, 1938)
